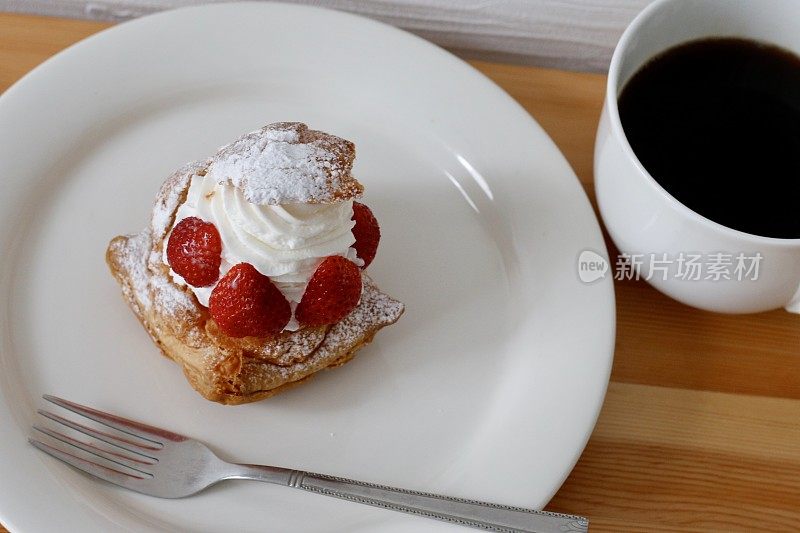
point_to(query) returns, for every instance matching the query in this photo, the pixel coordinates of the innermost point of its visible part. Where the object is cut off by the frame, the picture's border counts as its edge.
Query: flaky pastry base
(221, 368)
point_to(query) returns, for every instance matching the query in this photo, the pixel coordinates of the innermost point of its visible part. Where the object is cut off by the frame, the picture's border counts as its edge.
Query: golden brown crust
(221, 368)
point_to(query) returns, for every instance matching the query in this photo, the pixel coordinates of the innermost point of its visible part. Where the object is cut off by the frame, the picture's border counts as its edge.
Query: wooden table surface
(700, 430)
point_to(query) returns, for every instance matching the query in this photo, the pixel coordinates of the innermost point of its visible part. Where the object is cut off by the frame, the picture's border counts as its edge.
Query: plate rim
(7, 412)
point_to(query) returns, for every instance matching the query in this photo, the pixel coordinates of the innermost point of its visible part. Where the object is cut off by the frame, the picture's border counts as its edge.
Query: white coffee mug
(645, 221)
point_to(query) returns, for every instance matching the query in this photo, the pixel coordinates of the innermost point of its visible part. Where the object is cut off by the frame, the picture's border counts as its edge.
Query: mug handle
(794, 305)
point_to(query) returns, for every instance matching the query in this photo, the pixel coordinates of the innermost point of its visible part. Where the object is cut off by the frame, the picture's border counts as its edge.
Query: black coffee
(717, 123)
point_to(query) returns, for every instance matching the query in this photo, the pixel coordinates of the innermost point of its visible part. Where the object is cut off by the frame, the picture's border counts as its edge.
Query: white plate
(487, 388)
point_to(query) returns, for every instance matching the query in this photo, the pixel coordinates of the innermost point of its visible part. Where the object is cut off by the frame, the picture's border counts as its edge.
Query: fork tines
(123, 456)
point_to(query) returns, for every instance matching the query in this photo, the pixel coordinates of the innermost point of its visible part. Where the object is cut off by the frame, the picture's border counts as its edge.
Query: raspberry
(332, 292)
(245, 303)
(367, 233)
(193, 251)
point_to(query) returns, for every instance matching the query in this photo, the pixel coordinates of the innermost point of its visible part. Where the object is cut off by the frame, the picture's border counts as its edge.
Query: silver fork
(160, 463)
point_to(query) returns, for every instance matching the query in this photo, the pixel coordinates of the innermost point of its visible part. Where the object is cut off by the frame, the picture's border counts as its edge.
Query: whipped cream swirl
(284, 242)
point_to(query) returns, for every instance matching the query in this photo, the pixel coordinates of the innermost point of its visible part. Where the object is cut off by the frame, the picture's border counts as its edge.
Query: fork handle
(471, 513)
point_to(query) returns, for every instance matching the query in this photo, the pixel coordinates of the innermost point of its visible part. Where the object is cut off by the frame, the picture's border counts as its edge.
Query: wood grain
(700, 430)
(666, 459)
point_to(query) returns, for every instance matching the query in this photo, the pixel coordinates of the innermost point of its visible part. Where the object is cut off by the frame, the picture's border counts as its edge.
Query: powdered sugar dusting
(170, 299)
(171, 195)
(131, 253)
(286, 162)
(147, 280)
(288, 135)
(374, 311)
